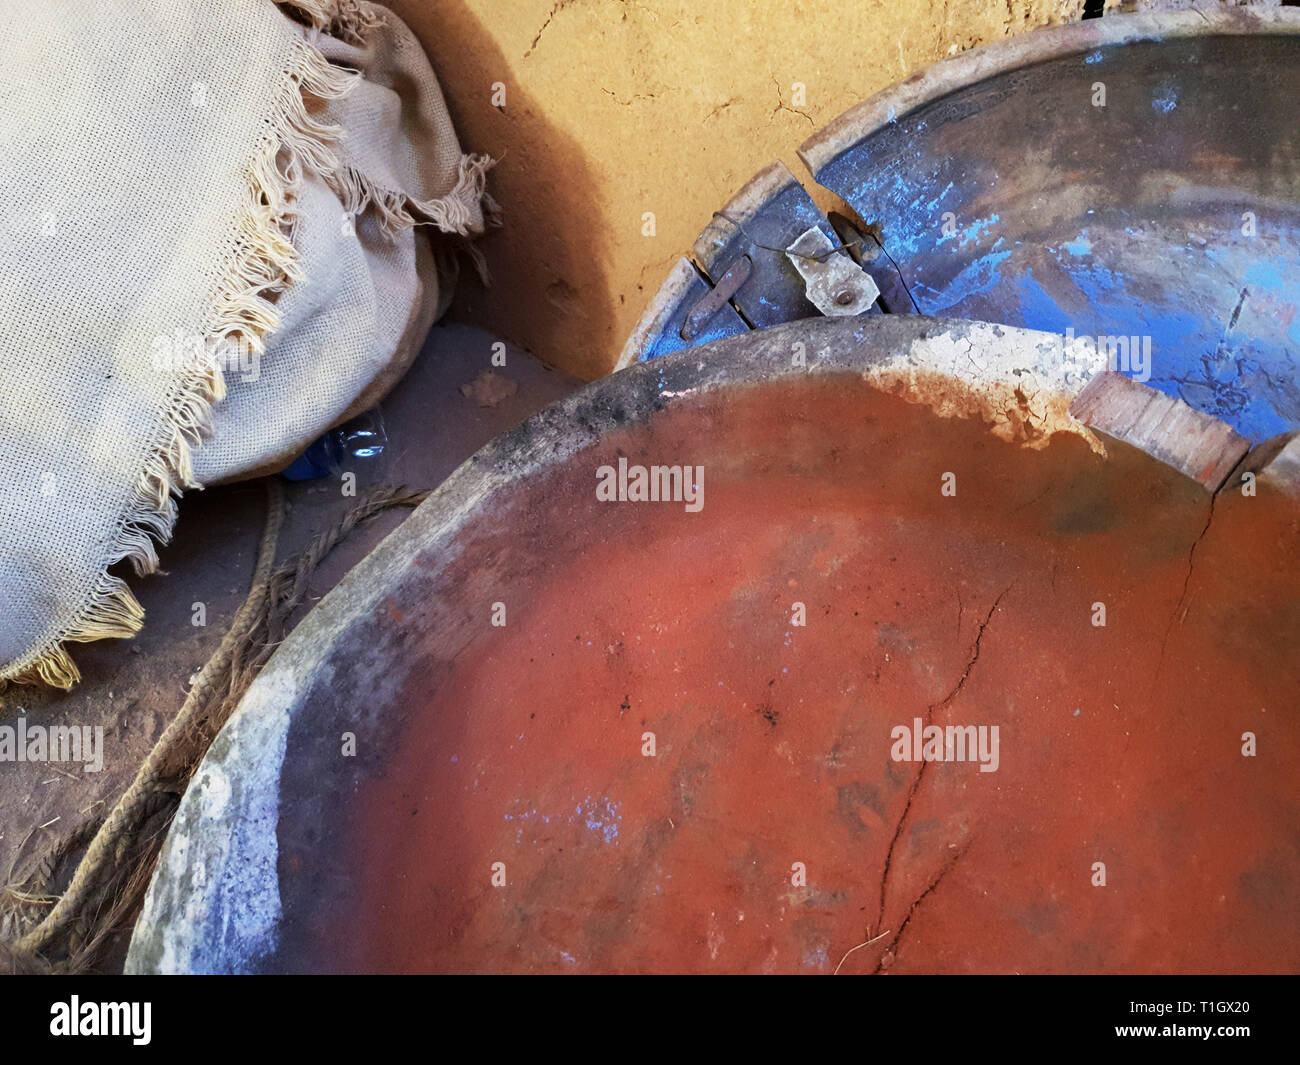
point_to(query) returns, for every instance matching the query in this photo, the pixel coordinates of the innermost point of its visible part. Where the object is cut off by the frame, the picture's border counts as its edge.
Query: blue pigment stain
(972, 232)
(815, 957)
(603, 819)
(1096, 282)
(1094, 57)
(1183, 363)
(1037, 309)
(525, 816)
(1165, 100)
(979, 276)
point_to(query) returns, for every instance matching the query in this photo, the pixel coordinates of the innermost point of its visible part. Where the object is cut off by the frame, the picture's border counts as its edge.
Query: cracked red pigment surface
(651, 767)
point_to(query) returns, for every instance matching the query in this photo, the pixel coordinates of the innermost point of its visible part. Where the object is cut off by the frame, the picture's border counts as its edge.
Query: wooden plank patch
(1197, 444)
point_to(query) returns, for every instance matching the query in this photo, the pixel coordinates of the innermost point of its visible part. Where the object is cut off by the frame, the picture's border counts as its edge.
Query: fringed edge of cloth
(261, 263)
(348, 20)
(456, 212)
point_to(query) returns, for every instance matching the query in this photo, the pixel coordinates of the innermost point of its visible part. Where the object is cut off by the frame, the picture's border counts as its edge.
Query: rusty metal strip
(716, 298)
(659, 330)
(761, 221)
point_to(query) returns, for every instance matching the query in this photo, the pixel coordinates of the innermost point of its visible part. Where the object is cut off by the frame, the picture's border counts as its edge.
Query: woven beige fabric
(200, 208)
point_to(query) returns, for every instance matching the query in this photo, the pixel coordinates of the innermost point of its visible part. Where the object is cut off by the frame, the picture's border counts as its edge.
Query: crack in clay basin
(524, 744)
(503, 810)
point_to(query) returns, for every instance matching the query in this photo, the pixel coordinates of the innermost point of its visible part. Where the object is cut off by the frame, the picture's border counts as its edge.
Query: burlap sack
(209, 208)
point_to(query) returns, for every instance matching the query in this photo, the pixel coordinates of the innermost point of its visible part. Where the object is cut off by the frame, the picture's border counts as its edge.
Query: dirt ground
(615, 109)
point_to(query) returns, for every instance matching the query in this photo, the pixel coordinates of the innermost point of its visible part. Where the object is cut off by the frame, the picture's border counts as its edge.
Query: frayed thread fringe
(458, 211)
(113, 613)
(261, 264)
(348, 20)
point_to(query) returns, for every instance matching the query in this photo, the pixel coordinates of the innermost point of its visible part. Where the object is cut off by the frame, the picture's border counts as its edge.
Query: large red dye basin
(835, 718)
